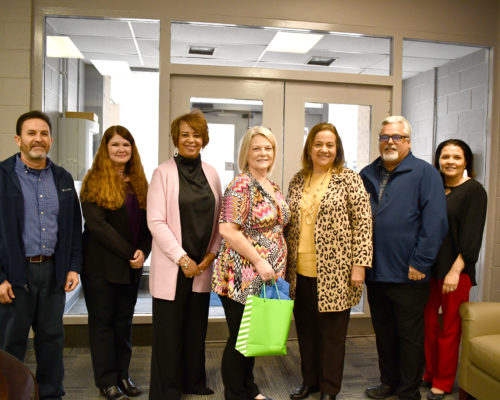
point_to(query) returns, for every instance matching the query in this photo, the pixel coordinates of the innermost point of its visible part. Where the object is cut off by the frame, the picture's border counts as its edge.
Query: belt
(38, 259)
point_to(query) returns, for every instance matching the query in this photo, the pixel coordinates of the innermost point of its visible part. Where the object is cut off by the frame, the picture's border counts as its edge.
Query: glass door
(290, 109)
(355, 110)
(231, 106)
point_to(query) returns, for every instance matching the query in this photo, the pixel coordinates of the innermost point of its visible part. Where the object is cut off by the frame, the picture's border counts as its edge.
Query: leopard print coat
(343, 237)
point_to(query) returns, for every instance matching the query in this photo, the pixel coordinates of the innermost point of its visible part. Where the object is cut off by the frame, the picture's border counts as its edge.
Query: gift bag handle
(275, 285)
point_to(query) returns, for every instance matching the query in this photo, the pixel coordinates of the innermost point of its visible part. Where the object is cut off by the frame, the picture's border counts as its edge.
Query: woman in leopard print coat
(329, 238)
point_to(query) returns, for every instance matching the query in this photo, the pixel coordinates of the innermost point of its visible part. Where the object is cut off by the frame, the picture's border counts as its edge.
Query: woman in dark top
(116, 242)
(454, 270)
(183, 205)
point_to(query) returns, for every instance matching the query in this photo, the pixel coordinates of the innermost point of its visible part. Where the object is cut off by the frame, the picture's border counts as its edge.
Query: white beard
(390, 153)
(390, 156)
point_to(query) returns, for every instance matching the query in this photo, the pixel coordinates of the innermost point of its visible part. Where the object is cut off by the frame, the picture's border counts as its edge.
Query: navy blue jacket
(68, 253)
(410, 220)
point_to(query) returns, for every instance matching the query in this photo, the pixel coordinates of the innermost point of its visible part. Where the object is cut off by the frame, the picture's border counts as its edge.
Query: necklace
(310, 201)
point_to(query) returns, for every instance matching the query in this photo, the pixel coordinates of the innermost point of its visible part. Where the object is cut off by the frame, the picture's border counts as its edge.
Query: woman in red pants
(454, 271)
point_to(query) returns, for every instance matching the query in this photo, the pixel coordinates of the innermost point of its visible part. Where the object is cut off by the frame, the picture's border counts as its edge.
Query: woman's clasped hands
(191, 269)
(138, 260)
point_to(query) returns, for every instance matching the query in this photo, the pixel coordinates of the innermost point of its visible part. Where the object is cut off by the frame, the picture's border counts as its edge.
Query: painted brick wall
(462, 101)
(461, 88)
(418, 108)
(15, 69)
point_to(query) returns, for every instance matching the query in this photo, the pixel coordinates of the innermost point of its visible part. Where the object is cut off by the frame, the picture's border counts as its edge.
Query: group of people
(412, 232)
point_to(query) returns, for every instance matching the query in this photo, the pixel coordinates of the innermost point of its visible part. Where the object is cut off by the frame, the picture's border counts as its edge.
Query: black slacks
(236, 369)
(179, 332)
(110, 311)
(40, 305)
(321, 337)
(397, 311)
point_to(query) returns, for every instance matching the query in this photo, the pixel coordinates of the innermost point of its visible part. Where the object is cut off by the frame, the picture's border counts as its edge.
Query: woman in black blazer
(116, 242)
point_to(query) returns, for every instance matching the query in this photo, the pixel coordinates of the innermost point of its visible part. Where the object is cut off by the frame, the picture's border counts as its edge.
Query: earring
(176, 151)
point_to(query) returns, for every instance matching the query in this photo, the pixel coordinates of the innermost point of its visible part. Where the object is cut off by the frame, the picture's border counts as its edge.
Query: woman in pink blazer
(182, 212)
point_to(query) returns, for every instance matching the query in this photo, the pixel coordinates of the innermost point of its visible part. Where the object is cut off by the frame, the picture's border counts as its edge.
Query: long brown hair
(103, 185)
(338, 163)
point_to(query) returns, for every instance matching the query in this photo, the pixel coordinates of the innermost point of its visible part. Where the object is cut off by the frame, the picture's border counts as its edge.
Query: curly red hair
(103, 185)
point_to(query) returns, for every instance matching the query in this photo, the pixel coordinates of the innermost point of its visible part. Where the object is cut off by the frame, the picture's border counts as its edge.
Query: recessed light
(203, 51)
(321, 61)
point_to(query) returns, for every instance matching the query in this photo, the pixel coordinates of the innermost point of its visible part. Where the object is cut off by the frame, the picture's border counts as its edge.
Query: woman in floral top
(253, 251)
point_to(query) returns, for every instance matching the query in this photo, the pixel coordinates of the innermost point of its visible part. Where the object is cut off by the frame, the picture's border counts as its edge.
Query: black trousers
(237, 370)
(39, 305)
(321, 337)
(397, 311)
(179, 332)
(110, 308)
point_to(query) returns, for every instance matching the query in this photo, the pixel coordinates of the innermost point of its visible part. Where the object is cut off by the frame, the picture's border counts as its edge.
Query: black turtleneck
(196, 206)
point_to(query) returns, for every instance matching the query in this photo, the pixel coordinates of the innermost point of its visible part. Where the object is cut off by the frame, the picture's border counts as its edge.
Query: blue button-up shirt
(41, 209)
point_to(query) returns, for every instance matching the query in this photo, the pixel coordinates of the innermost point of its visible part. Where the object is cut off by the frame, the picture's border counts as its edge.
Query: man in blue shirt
(40, 251)
(409, 224)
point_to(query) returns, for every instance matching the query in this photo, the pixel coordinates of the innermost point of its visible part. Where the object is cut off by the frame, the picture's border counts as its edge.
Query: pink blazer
(165, 225)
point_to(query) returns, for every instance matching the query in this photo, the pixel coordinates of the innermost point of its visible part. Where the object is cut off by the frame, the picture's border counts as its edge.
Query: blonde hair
(397, 119)
(103, 186)
(247, 140)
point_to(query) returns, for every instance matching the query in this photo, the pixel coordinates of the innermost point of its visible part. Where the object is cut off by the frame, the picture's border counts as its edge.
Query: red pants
(442, 342)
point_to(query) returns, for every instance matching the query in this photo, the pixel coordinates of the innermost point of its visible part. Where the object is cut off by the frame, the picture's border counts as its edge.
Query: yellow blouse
(313, 192)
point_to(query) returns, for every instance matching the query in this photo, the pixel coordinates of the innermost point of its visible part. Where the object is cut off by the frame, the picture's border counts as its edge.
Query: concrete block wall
(418, 108)
(462, 99)
(461, 91)
(462, 107)
(15, 69)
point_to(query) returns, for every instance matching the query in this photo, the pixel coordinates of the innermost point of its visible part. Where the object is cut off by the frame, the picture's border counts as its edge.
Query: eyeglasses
(395, 138)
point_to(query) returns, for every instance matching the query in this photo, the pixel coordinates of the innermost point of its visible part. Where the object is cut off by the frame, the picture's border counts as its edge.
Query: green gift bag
(264, 327)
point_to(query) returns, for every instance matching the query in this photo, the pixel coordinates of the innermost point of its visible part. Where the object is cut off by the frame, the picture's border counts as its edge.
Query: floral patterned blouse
(247, 204)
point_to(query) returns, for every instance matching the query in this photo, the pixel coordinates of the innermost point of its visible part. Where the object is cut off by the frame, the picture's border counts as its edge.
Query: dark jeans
(321, 337)
(397, 311)
(237, 370)
(179, 332)
(40, 305)
(111, 308)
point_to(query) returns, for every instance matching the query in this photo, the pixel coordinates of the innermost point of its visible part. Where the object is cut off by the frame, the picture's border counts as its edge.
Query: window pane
(353, 125)
(258, 47)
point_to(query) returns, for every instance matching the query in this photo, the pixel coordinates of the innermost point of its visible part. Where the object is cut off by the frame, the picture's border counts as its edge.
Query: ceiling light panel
(293, 42)
(112, 68)
(62, 47)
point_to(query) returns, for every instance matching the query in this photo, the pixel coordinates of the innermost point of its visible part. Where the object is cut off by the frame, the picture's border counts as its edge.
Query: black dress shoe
(113, 393)
(435, 396)
(304, 391)
(326, 396)
(381, 391)
(129, 388)
(204, 391)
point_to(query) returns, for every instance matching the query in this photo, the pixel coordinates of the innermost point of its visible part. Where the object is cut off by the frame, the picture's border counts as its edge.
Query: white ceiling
(116, 39)
(113, 39)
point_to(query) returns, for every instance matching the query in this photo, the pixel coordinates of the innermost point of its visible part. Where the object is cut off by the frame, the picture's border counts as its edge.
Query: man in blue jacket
(409, 223)
(40, 251)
